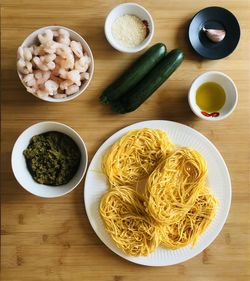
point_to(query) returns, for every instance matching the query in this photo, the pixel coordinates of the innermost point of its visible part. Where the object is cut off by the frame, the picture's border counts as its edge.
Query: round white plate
(218, 180)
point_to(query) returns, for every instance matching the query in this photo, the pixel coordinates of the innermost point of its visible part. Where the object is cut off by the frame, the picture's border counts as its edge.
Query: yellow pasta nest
(188, 230)
(127, 222)
(175, 207)
(172, 188)
(135, 156)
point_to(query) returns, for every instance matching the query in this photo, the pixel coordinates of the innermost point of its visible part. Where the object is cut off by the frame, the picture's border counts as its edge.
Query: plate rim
(114, 248)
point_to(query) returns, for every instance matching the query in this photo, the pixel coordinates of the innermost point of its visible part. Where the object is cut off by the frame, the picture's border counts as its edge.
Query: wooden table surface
(51, 239)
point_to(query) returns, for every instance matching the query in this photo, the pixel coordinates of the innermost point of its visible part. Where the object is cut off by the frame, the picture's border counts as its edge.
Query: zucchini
(134, 73)
(151, 82)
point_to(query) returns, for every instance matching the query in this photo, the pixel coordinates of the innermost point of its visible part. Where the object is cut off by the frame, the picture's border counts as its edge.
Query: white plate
(218, 180)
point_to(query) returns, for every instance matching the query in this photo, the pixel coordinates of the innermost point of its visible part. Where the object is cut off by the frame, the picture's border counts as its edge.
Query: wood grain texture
(52, 239)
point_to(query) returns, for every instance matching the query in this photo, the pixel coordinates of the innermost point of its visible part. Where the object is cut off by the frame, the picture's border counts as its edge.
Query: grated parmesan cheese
(129, 30)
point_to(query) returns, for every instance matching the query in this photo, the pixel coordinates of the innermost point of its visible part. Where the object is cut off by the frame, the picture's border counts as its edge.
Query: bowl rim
(86, 48)
(125, 49)
(192, 102)
(84, 154)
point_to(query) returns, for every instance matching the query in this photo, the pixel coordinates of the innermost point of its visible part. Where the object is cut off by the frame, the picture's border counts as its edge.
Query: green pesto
(52, 158)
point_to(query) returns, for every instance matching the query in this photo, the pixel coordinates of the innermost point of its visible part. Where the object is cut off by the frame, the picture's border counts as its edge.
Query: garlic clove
(215, 35)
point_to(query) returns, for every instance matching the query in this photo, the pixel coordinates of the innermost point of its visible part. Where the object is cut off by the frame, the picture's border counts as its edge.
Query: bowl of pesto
(49, 159)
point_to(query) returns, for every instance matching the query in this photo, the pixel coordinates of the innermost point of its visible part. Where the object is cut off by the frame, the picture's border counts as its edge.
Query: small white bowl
(22, 173)
(226, 83)
(131, 9)
(33, 39)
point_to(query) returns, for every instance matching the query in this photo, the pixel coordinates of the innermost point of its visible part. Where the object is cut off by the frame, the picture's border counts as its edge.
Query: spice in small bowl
(129, 28)
(213, 96)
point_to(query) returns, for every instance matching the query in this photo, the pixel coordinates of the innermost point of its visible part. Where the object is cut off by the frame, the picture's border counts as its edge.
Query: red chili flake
(205, 114)
(147, 29)
(213, 114)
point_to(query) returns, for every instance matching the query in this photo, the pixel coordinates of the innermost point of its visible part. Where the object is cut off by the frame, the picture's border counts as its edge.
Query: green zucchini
(134, 73)
(150, 83)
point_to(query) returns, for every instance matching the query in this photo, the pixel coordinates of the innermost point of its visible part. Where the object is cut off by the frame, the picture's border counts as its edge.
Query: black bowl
(214, 18)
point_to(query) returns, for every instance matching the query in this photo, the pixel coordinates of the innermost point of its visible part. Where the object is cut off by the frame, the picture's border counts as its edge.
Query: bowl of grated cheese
(129, 28)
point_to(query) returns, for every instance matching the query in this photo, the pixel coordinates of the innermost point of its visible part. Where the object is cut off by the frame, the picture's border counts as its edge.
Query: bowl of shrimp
(55, 64)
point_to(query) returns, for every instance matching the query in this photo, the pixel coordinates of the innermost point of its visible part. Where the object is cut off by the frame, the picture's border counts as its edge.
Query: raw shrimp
(64, 63)
(27, 54)
(41, 76)
(74, 76)
(39, 64)
(24, 67)
(58, 60)
(59, 64)
(43, 66)
(51, 65)
(20, 53)
(63, 37)
(41, 93)
(29, 80)
(63, 73)
(33, 89)
(58, 80)
(83, 63)
(39, 50)
(51, 86)
(66, 84)
(72, 90)
(55, 71)
(84, 76)
(76, 47)
(50, 47)
(46, 36)
(66, 53)
(48, 58)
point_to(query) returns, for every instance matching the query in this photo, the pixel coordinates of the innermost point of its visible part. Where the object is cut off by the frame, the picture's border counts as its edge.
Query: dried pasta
(174, 208)
(174, 185)
(127, 222)
(135, 156)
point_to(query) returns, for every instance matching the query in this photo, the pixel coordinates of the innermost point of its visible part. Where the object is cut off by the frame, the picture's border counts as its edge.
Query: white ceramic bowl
(226, 83)
(19, 164)
(32, 39)
(131, 9)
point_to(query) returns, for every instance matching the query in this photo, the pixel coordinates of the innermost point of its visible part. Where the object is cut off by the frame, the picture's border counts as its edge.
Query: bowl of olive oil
(213, 96)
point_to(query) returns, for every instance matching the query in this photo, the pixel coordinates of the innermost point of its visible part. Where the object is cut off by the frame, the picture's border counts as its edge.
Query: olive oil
(210, 97)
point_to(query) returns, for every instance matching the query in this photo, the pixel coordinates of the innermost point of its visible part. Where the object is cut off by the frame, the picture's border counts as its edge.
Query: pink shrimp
(74, 76)
(46, 36)
(24, 67)
(51, 87)
(41, 76)
(72, 90)
(29, 80)
(66, 84)
(76, 47)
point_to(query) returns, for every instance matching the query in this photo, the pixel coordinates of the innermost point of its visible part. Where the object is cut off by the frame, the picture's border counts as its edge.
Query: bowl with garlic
(214, 33)
(55, 64)
(129, 28)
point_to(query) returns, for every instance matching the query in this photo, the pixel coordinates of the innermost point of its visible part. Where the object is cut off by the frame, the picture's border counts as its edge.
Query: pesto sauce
(52, 158)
